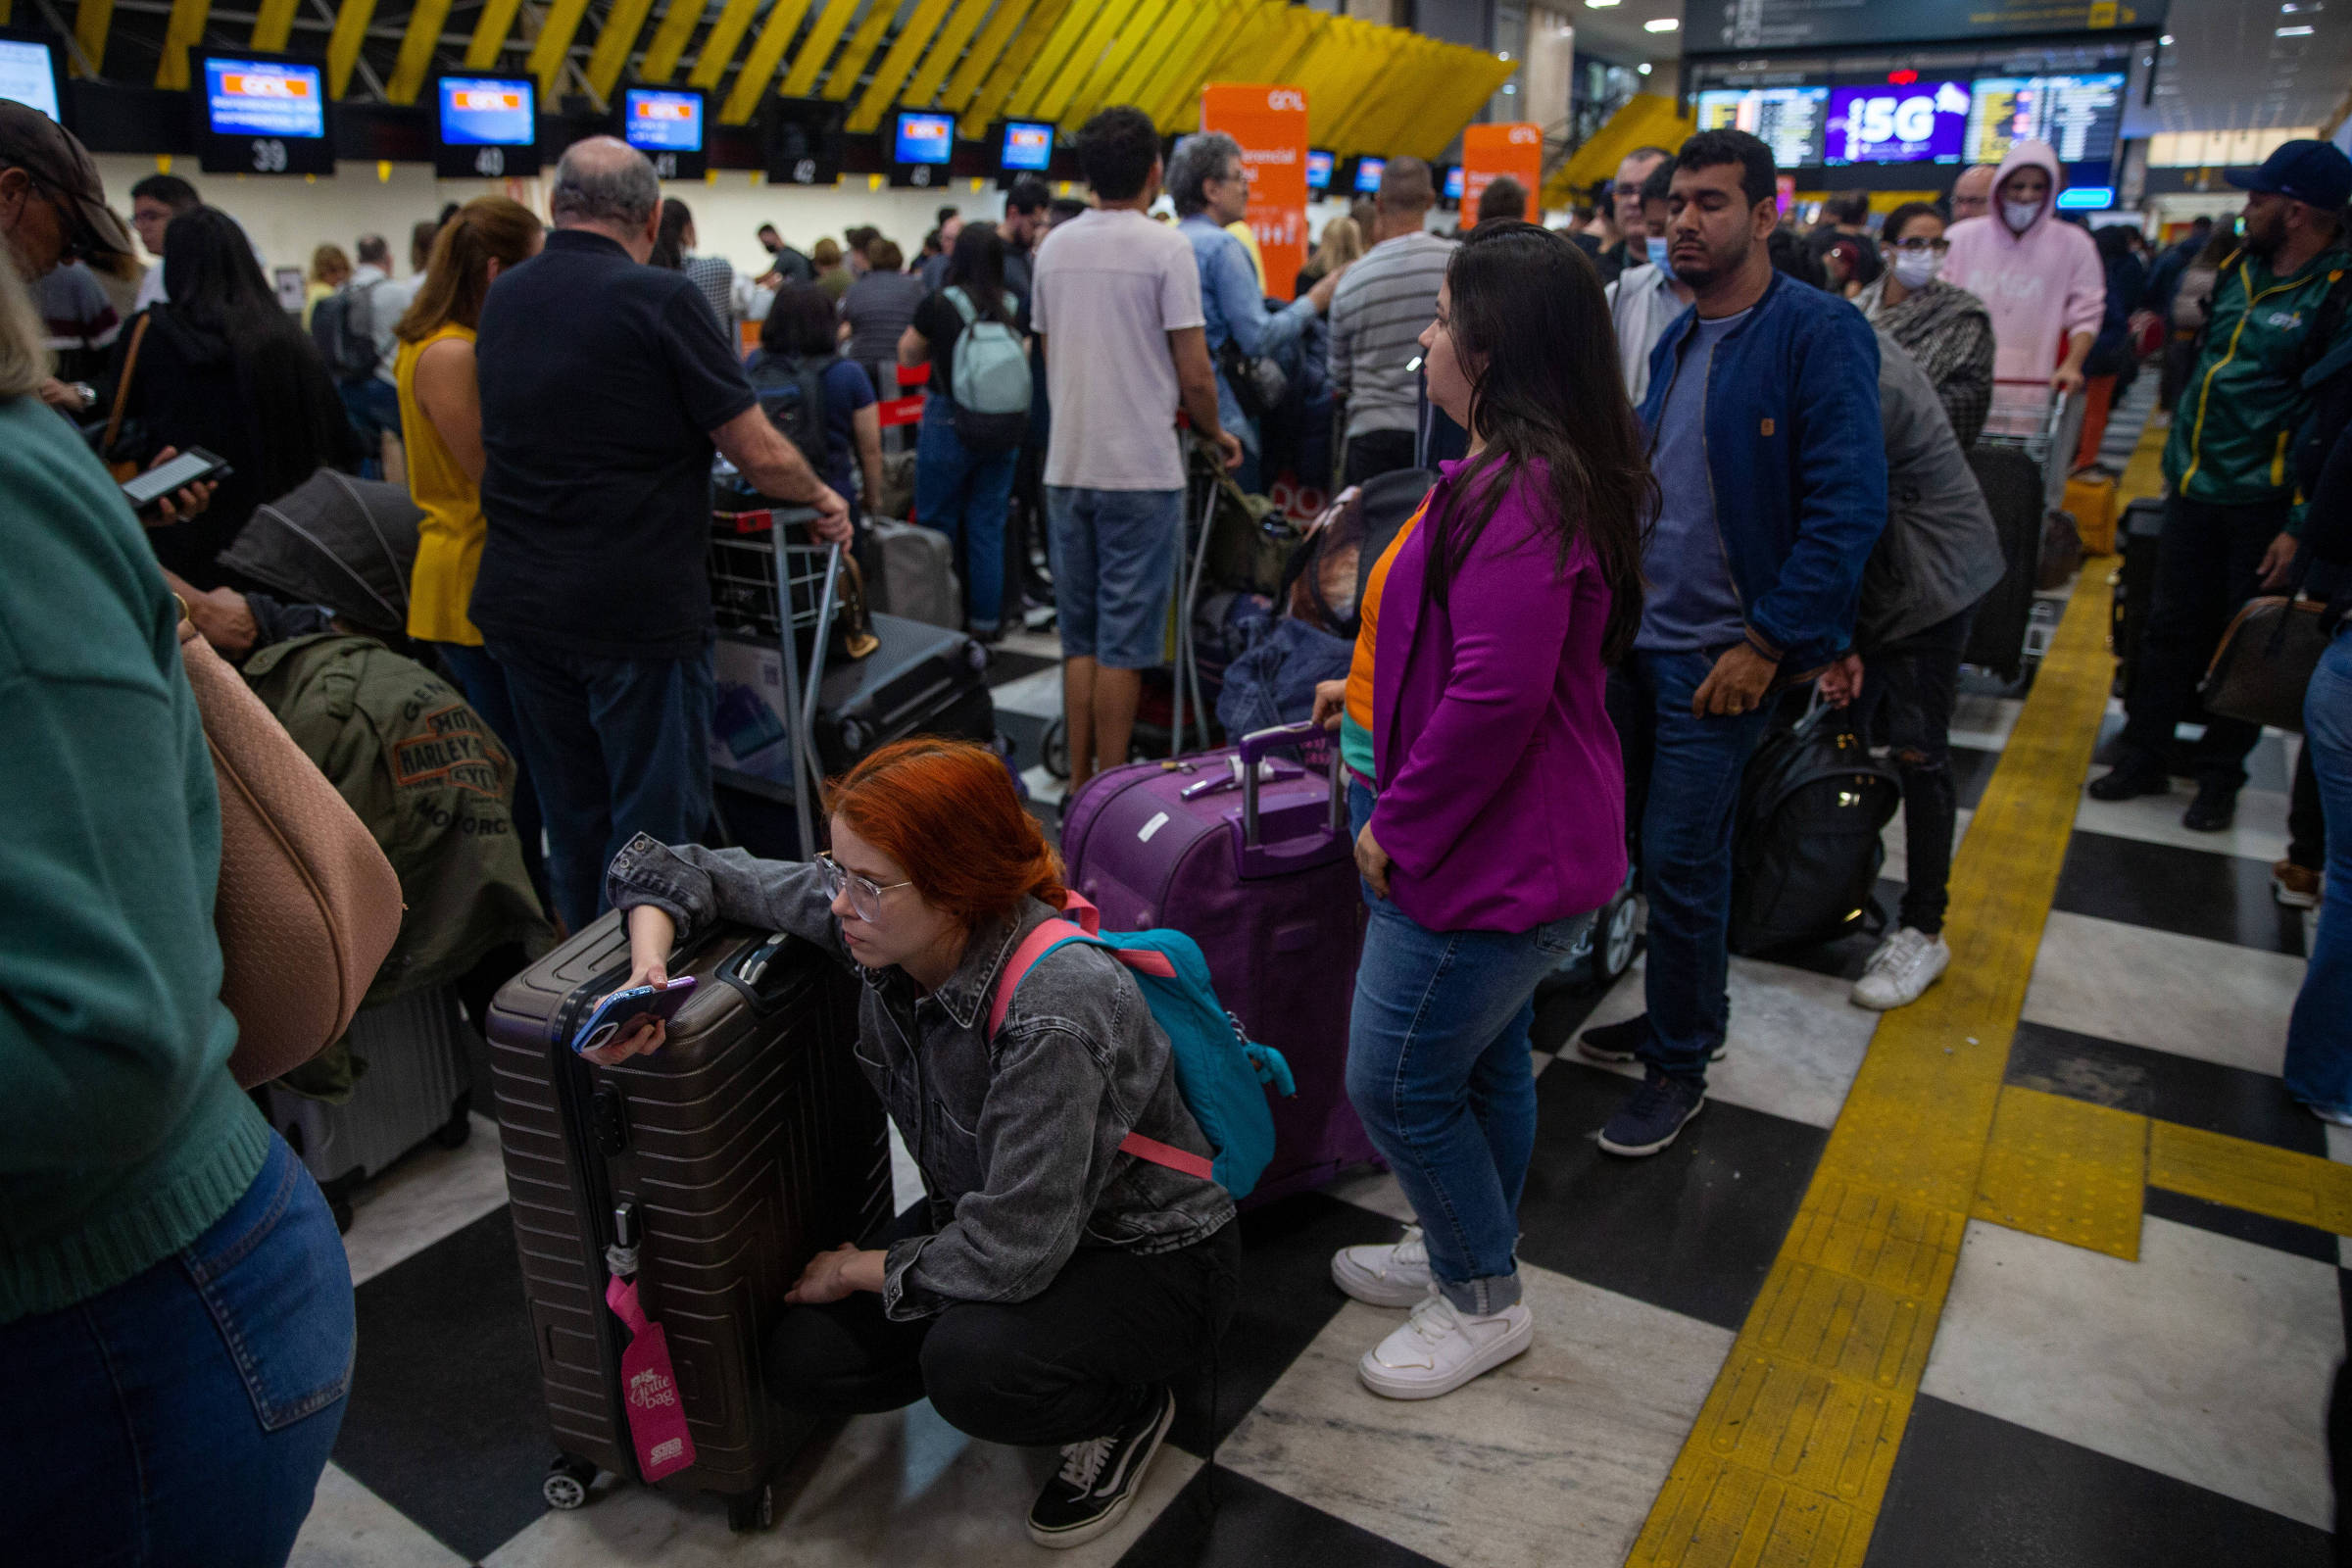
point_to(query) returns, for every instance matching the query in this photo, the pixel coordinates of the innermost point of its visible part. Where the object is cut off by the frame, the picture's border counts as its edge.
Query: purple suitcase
(1264, 877)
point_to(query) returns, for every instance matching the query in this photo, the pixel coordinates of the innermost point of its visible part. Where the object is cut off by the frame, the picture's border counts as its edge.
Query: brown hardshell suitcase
(748, 1143)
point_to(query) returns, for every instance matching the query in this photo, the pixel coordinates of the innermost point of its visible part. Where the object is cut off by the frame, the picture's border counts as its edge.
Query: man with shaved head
(1971, 192)
(606, 384)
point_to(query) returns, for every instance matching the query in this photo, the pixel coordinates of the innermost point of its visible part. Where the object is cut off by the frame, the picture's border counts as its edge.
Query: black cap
(2313, 171)
(48, 152)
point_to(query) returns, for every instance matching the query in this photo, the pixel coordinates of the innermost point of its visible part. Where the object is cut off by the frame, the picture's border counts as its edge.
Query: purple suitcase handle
(1256, 859)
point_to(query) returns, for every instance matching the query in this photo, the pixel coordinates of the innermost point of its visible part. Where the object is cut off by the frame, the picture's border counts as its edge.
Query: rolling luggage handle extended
(799, 701)
(1262, 860)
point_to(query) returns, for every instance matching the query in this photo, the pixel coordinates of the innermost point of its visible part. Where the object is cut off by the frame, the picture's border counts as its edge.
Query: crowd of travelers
(1690, 466)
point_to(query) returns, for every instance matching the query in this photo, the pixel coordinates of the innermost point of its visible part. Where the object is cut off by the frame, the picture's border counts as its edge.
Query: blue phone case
(622, 1008)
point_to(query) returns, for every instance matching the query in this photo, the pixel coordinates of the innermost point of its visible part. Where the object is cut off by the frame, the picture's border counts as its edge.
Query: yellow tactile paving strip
(2066, 1169)
(2278, 1182)
(1789, 1460)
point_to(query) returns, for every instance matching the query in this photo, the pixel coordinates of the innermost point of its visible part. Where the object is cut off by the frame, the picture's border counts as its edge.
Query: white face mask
(1916, 268)
(2019, 215)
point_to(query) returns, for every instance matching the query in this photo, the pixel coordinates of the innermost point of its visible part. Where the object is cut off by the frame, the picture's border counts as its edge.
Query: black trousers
(1070, 1363)
(1908, 689)
(2207, 565)
(1375, 453)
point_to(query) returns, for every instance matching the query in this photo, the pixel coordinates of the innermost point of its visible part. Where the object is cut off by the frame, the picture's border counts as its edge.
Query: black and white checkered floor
(2076, 1410)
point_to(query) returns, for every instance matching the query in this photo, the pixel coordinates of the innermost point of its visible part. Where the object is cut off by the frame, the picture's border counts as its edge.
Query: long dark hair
(977, 266)
(217, 286)
(669, 241)
(800, 322)
(1528, 306)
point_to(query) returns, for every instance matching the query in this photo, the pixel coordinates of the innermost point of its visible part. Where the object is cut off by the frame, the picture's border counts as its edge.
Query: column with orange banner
(1491, 151)
(1270, 123)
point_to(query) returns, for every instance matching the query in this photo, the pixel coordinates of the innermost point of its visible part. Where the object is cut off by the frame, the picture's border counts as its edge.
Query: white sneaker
(1439, 1349)
(1395, 1275)
(1901, 970)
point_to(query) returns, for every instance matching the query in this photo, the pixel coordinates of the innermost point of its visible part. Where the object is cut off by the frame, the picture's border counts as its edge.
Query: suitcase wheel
(752, 1510)
(1613, 939)
(1055, 749)
(567, 1481)
(453, 1133)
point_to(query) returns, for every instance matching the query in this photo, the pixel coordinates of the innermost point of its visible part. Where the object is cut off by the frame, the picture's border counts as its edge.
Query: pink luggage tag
(656, 1415)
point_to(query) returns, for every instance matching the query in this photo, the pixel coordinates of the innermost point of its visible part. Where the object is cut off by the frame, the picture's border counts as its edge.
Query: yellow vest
(449, 541)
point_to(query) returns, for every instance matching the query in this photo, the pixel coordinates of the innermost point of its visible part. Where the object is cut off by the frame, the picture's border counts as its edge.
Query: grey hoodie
(1940, 552)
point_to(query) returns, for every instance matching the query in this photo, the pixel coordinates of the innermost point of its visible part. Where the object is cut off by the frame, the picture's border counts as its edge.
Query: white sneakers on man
(1901, 970)
(1395, 1275)
(1439, 1349)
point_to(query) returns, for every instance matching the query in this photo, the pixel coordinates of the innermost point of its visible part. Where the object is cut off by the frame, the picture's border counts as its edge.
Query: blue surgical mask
(1657, 254)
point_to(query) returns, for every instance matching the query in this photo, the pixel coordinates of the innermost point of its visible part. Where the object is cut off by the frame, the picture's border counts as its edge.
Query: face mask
(1657, 254)
(1916, 268)
(2019, 215)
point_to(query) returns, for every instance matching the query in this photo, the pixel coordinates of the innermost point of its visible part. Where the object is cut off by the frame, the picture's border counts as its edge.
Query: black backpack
(343, 327)
(792, 394)
(1806, 853)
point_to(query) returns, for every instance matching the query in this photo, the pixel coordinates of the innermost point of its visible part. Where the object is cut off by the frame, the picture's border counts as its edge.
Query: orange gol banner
(1489, 150)
(1270, 123)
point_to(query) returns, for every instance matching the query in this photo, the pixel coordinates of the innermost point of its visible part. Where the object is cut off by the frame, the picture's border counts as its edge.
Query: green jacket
(2236, 424)
(432, 784)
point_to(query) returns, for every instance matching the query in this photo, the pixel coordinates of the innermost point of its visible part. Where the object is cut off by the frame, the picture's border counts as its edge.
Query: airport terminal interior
(2045, 1266)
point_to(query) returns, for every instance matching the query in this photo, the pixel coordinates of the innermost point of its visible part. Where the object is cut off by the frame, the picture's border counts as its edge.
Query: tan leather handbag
(308, 905)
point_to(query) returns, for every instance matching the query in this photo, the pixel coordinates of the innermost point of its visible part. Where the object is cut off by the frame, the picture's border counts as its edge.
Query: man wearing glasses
(53, 211)
(1944, 327)
(1625, 200)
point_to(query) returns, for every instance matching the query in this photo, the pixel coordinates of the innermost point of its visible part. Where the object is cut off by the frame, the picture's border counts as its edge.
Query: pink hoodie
(2042, 286)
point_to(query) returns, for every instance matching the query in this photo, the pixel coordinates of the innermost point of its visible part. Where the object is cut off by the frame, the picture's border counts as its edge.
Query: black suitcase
(744, 1146)
(2141, 538)
(2013, 489)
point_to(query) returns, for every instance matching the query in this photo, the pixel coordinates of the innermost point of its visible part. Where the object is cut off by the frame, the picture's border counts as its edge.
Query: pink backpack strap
(1035, 946)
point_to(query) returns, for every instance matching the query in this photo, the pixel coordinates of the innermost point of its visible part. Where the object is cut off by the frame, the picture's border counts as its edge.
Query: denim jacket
(1233, 306)
(1017, 1137)
(1797, 462)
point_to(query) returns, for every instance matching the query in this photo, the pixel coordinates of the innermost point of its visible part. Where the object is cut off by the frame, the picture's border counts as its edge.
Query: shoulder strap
(962, 303)
(131, 362)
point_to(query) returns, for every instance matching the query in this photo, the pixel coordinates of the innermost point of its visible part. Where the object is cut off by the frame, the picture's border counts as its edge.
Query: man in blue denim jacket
(1765, 437)
(1210, 186)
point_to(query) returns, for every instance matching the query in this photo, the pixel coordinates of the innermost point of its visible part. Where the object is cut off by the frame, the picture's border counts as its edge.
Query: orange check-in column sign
(1489, 150)
(1270, 123)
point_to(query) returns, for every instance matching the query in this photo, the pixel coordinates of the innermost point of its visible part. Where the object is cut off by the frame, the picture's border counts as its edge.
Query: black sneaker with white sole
(1650, 1118)
(1622, 1041)
(1100, 1478)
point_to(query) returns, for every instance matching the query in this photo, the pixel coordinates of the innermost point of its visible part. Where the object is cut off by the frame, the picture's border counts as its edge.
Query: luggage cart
(772, 589)
(2031, 420)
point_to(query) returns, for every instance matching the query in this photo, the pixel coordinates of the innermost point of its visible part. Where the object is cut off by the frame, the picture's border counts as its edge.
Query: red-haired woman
(1049, 1286)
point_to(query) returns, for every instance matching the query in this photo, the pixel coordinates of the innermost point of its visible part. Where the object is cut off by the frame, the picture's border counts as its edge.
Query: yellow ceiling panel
(892, 73)
(547, 57)
(1046, 20)
(842, 79)
(760, 66)
(342, 44)
(1094, 44)
(1384, 77)
(977, 66)
(1172, 96)
(490, 30)
(1147, 30)
(93, 18)
(273, 25)
(615, 44)
(823, 33)
(1178, 32)
(719, 43)
(661, 56)
(415, 60)
(1061, 41)
(182, 32)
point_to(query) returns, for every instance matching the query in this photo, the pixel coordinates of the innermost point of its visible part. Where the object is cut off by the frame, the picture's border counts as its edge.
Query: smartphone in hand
(619, 1015)
(192, 467)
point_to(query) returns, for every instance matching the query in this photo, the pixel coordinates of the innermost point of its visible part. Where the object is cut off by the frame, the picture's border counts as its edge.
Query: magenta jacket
(1501, 792)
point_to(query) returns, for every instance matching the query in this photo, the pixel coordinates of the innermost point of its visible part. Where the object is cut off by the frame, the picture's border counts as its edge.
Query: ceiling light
(1601, 4)
(2165, 42)
(1642, 67)
(2303, 32)
(1503, 54)
(1669, 24)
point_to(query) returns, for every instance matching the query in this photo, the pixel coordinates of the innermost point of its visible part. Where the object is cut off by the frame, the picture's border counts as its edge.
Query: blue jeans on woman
(185, 1415)
(964, 495)
(1441, 1068)
(2319, 1032)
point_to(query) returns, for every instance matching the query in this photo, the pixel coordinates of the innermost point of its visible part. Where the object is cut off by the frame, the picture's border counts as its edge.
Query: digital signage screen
(804, 139)
(2079, 115)
(1915, 123)
(1027, 147)
(29, 75)
(488, 126)
(920, 147)
(1319, 163)
(1453, 182)
(263, 115)
(666, 125)
(1790, 121)
(1368, 175)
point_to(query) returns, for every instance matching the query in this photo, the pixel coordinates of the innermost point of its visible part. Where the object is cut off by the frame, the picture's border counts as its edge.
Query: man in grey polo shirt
(1377, 317)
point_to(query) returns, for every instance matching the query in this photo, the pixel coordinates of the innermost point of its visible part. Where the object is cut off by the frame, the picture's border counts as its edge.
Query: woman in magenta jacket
(1498, 823)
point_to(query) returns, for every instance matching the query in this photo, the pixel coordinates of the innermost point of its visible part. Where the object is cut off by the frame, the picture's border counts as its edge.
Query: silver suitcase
(917, 575)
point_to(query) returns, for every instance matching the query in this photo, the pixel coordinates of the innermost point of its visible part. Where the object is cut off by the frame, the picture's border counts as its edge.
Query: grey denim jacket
(1017, 1137)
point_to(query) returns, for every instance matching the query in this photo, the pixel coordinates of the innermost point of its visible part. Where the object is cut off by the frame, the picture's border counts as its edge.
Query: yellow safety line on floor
(2278, 1182)
(1789, 1460)
(2066, 1169)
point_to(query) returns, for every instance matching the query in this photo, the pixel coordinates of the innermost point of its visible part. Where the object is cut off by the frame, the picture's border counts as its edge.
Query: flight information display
(2078, 115)
(29, 75)
(1790, 121)
(264, 98)
(1368, 175)
(659, 121)
(1028, 147)
(488, 112)
(928, 139)
(1918, 122)
(1318, 169)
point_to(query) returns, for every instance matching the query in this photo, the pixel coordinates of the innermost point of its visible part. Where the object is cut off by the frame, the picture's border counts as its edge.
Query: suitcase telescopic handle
(1254, 746)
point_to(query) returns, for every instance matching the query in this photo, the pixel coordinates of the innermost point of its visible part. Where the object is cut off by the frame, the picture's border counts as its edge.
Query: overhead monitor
(921, 144)
(28, 73)
(263, 114)
(667, 124)
(1787, 120)
(1319, 162)
(1027, 148)
(1368, 175)
(488, 126)
(2077, 114)
(1452, 187)
(803, 140)
(1914, 122)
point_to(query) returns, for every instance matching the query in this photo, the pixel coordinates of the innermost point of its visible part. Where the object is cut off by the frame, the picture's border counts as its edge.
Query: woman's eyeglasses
(866, 893)
(1915, 245)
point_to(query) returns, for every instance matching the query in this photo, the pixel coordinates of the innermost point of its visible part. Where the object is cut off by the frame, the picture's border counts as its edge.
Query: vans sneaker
(1395, 1275)
(1440, 1348)
(1901, 970)
(1622, 1041)
(1100, 1478)
(1652, 1115)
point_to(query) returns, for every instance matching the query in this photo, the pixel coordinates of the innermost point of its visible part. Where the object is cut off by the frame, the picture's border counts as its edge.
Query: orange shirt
(1355, 732)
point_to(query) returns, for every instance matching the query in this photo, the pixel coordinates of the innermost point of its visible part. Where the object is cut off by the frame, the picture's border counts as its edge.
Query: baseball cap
(48, 152)
(2313, 171)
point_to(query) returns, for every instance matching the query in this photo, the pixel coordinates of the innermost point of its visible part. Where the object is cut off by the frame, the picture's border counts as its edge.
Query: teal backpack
(1222, 1074)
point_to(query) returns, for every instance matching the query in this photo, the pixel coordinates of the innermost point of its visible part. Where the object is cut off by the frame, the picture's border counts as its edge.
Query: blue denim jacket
(1797, 458)
(1234, 307)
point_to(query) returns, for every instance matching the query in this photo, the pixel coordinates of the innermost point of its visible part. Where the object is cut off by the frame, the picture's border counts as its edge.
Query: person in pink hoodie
(2039, 276)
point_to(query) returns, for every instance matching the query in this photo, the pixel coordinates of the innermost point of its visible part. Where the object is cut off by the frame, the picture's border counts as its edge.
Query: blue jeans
(616, 747)
(373, 407)
(483, 681)
(1116, 557)
(964, 495)
(1683, 774)
(185, 1415)
(1441, 1070)
(2319, 1034)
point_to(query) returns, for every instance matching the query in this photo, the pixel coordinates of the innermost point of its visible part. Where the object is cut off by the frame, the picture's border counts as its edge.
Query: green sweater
(122, 1137)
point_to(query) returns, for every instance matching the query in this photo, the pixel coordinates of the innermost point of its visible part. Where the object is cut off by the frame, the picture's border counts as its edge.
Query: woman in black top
(222, 366)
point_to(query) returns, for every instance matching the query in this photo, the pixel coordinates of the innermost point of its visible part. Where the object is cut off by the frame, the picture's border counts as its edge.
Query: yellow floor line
(2276, 1182)
(2066, 1169)
(1789, 1460)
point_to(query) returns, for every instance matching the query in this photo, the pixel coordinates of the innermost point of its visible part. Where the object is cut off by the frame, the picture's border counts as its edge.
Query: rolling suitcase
(2090, 502)
(2013, 488)
(914, 575)
(713, 1169)
(1264, 877)
(2143, 538)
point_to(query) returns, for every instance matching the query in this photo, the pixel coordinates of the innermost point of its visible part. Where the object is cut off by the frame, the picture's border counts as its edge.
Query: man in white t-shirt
(1116, 306)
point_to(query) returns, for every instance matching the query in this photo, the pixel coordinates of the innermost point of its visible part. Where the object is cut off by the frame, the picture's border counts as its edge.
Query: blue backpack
(1222, 1074)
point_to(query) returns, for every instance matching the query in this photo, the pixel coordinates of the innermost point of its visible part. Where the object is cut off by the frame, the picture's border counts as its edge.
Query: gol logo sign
(1287, 98)
(1522, 135)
